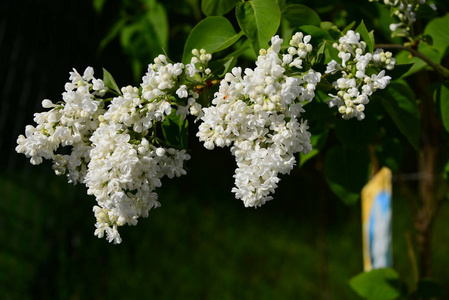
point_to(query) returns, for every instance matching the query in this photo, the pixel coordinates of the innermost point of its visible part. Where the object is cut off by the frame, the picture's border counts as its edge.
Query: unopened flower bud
(47, 104)
(160, 152)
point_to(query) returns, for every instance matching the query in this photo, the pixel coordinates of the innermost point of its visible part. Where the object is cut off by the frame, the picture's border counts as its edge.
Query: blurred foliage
(390, 133)
(202, 244)
(206, 250)
(198, 245)
(144, 28)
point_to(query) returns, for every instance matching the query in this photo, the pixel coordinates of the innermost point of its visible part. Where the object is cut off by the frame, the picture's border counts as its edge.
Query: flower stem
(442, 71)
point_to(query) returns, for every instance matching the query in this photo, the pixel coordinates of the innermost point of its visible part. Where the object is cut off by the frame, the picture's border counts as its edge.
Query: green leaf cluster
(386, 284)
(235, 31)
(175, 130)
(347, 152)
(378, 284)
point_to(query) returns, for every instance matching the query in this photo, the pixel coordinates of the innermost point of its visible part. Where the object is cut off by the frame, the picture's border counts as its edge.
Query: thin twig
(411, 254)
(438, 68)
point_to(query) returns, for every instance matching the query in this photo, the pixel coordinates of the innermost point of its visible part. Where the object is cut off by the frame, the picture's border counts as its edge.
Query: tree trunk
(429, 172)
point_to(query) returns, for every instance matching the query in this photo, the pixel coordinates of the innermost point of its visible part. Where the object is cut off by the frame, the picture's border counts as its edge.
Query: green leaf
(318, 112)
(217, 7)
(110, 83)
(158, 21)
(438, 30)
(143, 35)
(441, 97)
(324, 85)
(315, 113)
(175, 130)
(383, 19)
(347, 28)
(320, 52)
(299, 15)
(354, 132)
(113, 32)
(425, 11)
(347, 170)
(331, 53)
(222, 66)
(426, 38)
(127, 33)
(400, 104)
(259, 20)
(399, 70)
(404, 57)
(318, 34)
(212, 34)
(366, 36)
(378, 284)
(318, 141)
(332, 29)
(141, 43)
(98, 5)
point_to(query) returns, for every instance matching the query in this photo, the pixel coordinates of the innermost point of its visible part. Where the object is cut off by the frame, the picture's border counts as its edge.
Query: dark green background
(202, 243)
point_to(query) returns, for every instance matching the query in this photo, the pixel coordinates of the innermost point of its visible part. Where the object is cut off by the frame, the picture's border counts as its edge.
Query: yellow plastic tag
(376, 221)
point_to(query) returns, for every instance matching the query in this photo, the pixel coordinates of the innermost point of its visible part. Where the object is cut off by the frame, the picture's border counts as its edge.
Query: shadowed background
(201, 244)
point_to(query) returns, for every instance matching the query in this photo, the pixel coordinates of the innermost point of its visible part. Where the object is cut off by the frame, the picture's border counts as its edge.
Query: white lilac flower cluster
(256, 112)
(69, 123)
(114, 143)
(115, 150)
(355, 86)
(123, 174)
(405, 11)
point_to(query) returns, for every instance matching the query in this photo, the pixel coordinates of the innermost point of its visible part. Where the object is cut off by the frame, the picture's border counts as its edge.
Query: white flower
(123, 174)
(395, 26)
(160, 152)
(67, 124)
(114, 149)
(354, 86)
(255, 112)
(332, 67)
(48, 104)
(182, 92)
(405, 11)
